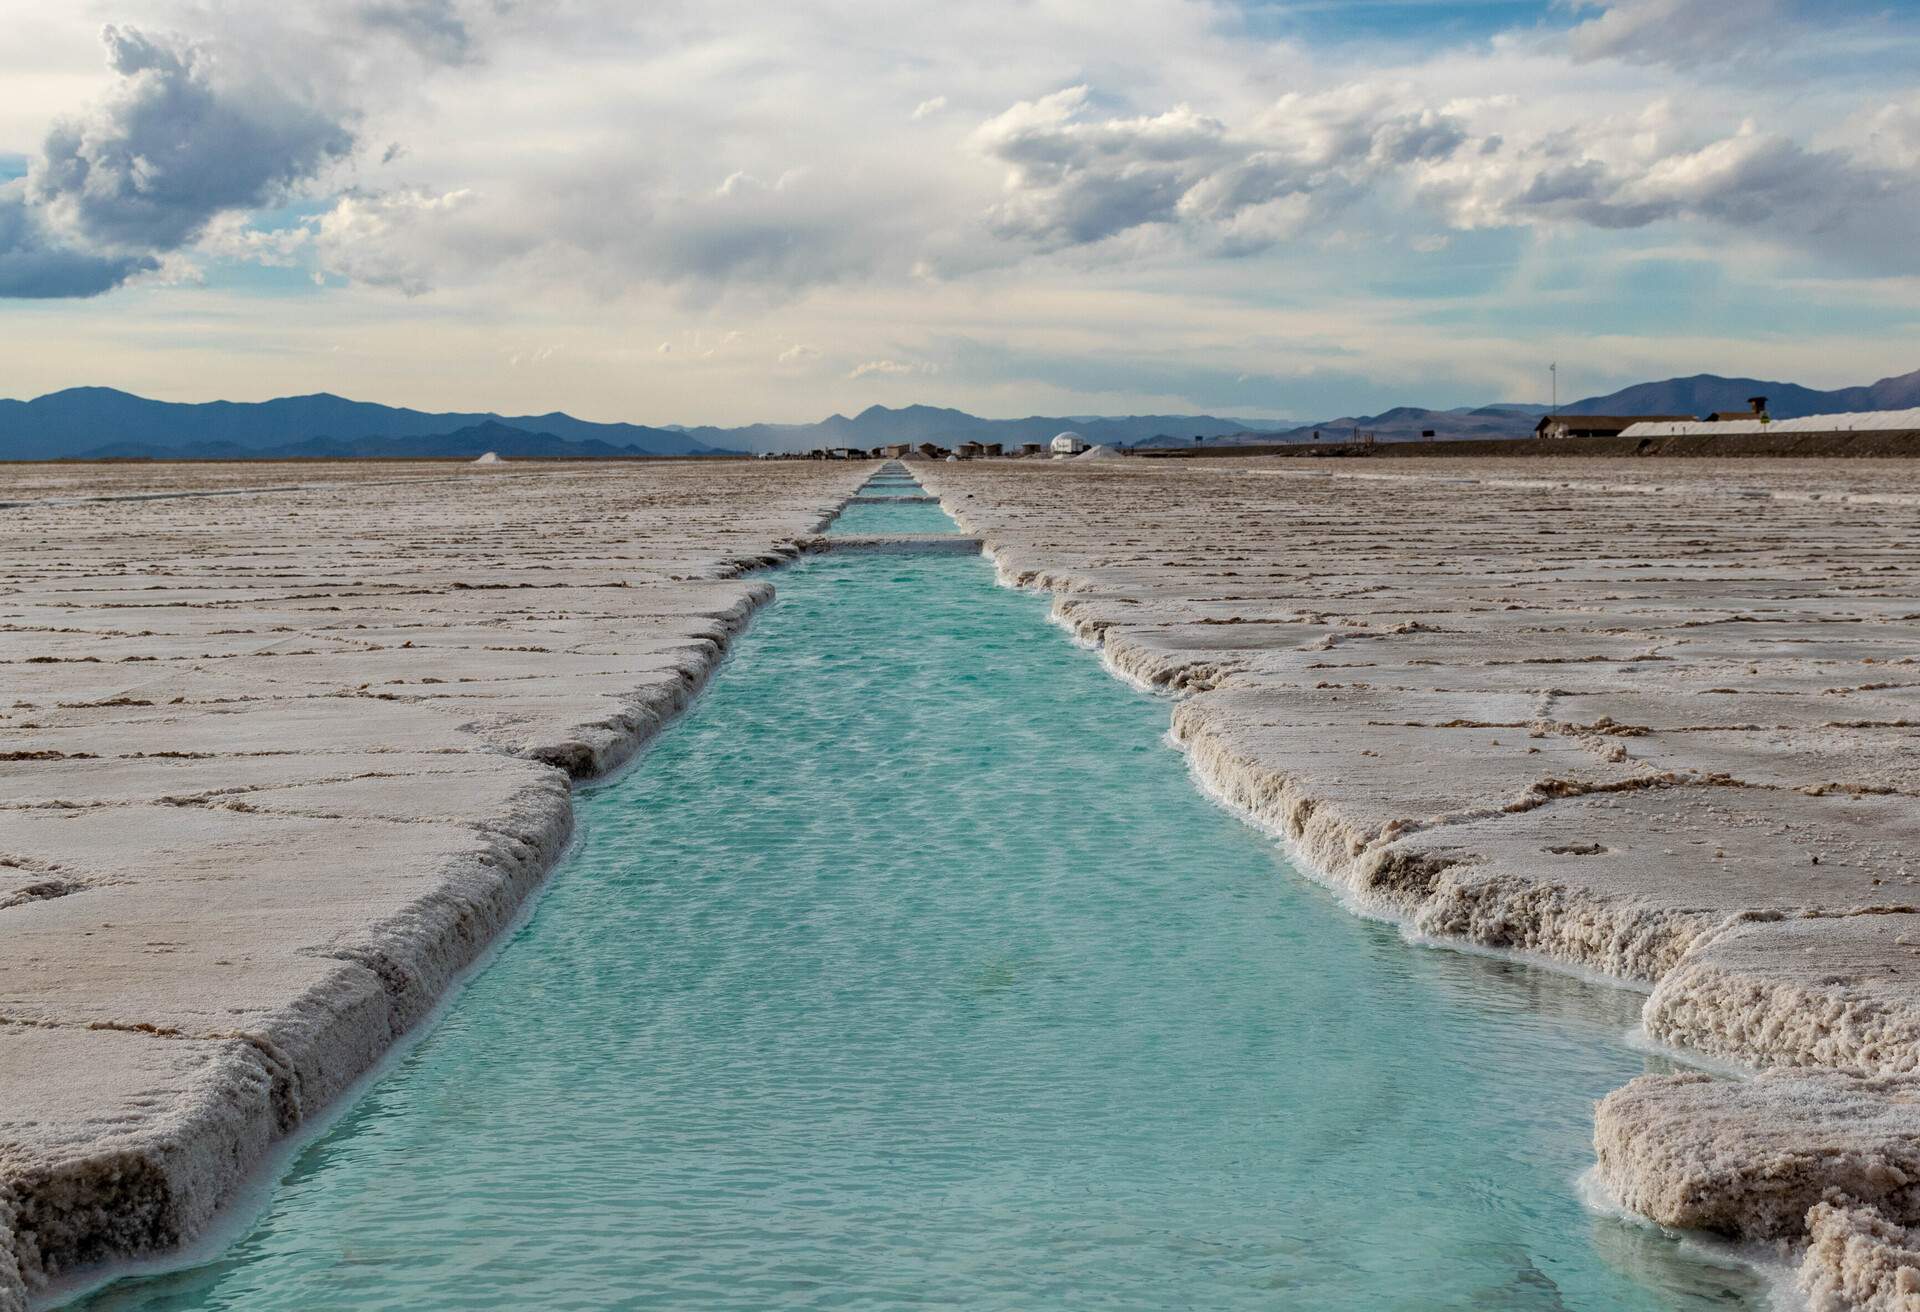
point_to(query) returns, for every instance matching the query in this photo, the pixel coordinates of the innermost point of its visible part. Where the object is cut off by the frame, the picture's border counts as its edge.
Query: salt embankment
(278, 763)
(1665, 733)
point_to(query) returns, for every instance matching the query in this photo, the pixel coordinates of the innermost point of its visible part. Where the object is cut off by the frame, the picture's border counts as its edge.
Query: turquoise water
(910, 970)
(888, 517)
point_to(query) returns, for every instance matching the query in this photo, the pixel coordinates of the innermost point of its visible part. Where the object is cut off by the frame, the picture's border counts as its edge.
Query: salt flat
(280, 760)
(283, 748)
(1654, 719)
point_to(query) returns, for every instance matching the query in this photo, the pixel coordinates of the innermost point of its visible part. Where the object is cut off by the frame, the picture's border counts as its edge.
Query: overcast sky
(738, 210)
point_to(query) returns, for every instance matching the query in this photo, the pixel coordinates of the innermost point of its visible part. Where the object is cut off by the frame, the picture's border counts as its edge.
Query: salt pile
(1866, 421)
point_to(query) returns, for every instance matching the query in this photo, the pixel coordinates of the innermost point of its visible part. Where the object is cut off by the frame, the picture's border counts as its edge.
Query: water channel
(910, 969)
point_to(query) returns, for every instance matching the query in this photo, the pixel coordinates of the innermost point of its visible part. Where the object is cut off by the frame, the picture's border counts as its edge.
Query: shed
(1557, 426)
(1068, 444)
(1756, 410)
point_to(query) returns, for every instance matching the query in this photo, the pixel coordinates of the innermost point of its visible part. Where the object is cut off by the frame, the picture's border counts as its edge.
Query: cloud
(175, 145)
(1892, 135)
(892, 368)
(928, 108)
(229, 237)
(1624, 176)
(611, 227)
(434, 28)
(171, 148)
(1416, 137)
(1676, 32)
(798, 354)
(1076, 180)
(35, 264)
(397, 239)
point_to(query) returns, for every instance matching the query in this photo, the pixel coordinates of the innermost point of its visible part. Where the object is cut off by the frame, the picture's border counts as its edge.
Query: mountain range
(1702, 394)
(101, 423)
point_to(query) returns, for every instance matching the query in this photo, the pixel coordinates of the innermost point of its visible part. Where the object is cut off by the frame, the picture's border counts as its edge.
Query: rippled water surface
(880, 515)
(911, 970)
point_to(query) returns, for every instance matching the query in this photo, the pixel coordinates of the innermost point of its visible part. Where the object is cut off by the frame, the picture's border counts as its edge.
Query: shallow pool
(879, 512)
(910, 969)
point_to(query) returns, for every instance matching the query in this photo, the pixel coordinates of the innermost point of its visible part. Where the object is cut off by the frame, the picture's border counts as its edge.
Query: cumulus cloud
(398, 239)
(537, 152)
(1074, 179)
(798, 354)
(1619, 176)
(37, 264)
(171, 148)
(175, 145)
(1893, 135)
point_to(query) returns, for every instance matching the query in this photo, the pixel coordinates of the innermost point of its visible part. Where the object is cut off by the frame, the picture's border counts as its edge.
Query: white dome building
(1069, 444)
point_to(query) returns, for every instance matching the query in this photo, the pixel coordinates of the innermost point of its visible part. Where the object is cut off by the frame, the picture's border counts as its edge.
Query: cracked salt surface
(911, 969)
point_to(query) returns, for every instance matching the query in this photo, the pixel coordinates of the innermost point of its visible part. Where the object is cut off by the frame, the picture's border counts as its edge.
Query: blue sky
(727, 211)
(1371, 21)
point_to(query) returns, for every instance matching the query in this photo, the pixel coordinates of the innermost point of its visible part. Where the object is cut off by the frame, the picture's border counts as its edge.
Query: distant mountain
(1703, 394)
(474, 440)
(1404, 423)
(96, 422)
(878, 425)
(88, 419)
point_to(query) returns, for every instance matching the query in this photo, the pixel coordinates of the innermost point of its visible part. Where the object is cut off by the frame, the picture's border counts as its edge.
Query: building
(994, 449)
(930, 451)
(1029, 448)
(1559, 426)
(970, 450)
(895, 451)
(1068, 444)
(1756, 410)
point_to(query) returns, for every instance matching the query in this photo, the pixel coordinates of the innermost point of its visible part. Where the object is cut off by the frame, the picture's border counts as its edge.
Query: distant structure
(1029, 448)
(970, 450)
(490, 458)
(1068, 444)
(1757, 409)
(1903, 422)
(1562, 426)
